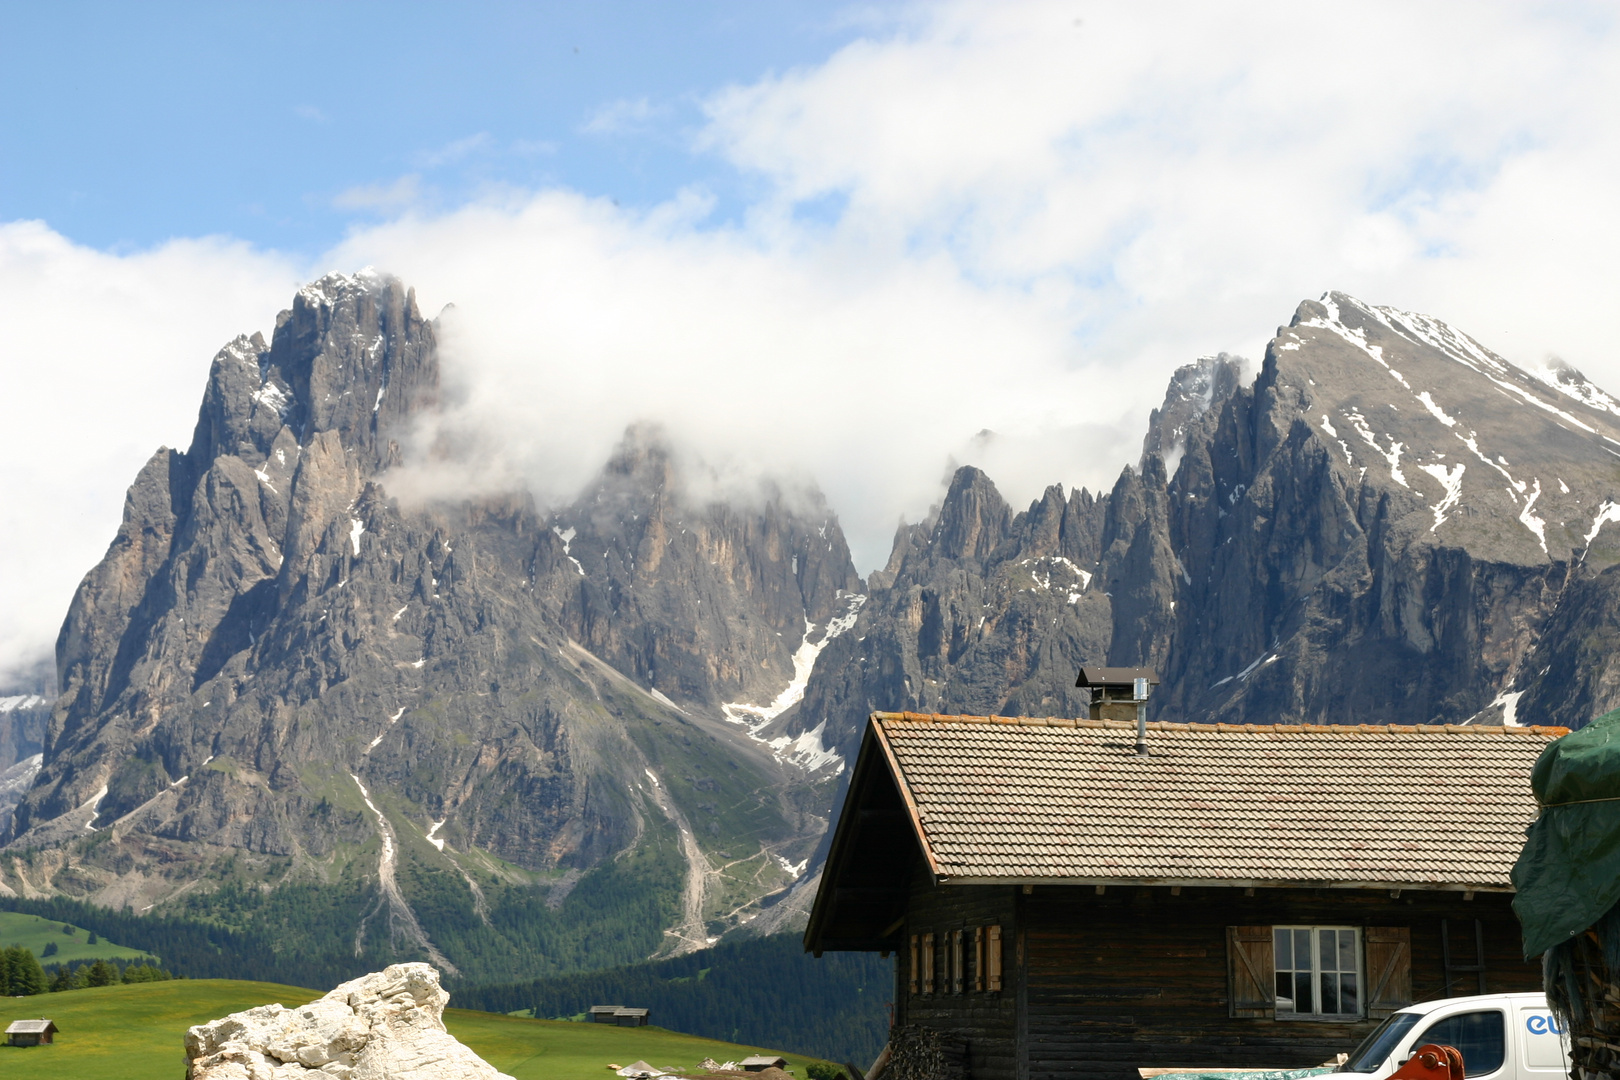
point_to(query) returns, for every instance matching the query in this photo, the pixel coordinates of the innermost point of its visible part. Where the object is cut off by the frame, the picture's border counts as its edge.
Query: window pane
(1284, 940)
(1347, 950)
(1285, 991)
(1302, 992)
(1302, 950)
(1330, 992)
(1349, 995)
(1480, 1036)
(1327, 950)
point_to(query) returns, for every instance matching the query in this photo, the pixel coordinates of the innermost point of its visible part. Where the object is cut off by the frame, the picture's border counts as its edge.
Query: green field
(137, 1032)
(34, 932)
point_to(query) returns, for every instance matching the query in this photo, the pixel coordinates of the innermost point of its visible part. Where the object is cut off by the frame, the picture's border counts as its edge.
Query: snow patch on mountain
(1508, 701)
(567, 537)
(1609, 511)
(1451, 481)
(1571, 383)
(1532, 522)
(272, 396)
(1438, 413)
(1392, 456)
(1044, 582)
(807, 751)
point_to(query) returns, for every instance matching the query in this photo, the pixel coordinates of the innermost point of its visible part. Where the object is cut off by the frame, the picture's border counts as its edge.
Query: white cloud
(623, 117)
(1035, 222)
(391, 197)
(104, 359)
(455, 150)
(816, 357)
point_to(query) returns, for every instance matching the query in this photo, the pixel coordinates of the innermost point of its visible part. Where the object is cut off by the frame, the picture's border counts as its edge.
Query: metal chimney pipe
(1140, 692)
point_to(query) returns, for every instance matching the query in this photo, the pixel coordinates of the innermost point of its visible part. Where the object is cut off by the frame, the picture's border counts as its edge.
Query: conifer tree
(101, 973)
(27, 977)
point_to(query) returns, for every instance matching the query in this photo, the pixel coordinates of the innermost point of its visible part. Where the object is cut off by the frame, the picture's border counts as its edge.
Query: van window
(1480, 1036)
(1375, 1048)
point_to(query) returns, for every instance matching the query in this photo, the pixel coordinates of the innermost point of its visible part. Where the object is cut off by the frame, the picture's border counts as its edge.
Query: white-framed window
(1318, 970)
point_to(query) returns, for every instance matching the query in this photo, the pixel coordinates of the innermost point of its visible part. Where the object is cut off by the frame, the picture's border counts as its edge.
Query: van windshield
(1377, 1046)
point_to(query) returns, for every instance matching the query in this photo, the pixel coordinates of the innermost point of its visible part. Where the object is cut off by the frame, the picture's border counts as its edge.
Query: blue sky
(775, 228)
(131, 124)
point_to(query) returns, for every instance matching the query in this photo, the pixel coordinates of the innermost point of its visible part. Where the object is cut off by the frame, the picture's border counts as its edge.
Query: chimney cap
(1116, 678)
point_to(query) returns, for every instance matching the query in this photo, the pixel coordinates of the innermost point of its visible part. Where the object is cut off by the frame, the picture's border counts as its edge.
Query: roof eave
(912, 812)
(1228, 883)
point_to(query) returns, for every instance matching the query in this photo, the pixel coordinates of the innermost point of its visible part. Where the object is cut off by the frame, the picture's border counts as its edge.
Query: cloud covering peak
(1014, 217)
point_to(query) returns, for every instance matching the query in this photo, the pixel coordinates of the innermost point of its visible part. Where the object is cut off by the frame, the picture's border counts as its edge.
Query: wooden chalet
(1241, 896)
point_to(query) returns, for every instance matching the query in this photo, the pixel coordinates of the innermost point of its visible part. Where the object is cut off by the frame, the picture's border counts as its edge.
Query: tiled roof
(1019, 799)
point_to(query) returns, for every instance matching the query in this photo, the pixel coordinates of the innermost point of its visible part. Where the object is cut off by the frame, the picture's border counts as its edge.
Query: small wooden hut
(761, 1062)
(618, 1014)
(31, 1032)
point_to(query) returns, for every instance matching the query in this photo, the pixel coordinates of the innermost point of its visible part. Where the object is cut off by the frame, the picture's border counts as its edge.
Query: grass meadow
(34, 932)
(137, 1032)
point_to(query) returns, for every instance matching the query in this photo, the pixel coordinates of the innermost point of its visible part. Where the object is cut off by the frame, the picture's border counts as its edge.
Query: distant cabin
(31, 1032)
(618, 1014)
(761, 1062)
(1240, 897)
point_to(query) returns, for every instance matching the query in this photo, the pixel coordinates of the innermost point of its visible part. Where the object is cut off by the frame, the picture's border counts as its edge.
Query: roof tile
(1010, 797)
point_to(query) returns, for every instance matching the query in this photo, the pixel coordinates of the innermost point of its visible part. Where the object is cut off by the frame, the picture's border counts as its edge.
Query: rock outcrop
(388, 1025)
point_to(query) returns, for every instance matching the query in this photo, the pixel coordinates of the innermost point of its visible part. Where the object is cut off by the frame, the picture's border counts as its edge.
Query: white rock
(388, 1025)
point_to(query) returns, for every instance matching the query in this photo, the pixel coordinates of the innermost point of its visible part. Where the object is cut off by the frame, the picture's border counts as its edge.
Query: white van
(1501, 1036)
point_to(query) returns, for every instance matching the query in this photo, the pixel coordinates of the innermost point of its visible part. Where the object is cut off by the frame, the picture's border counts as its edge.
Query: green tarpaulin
(1568, 875)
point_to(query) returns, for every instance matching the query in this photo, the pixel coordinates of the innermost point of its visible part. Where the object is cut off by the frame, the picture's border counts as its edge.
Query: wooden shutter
(928, 963)
(992, 972)
(914, 964)
(1389, 969)
(1251, 972)
(978, 959)
(958, 979)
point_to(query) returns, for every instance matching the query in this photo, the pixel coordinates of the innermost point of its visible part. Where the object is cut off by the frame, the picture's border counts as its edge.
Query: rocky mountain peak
(353, 355)
(973, 517)
(1459, 440)
(277, 657)
(1196, 390)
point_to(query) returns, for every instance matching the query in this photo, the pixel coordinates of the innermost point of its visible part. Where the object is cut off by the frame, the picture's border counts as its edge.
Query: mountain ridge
(493, 733)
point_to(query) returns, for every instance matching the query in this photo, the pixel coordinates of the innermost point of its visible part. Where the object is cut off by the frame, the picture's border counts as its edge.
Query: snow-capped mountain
(491, 735)
(1391, 523)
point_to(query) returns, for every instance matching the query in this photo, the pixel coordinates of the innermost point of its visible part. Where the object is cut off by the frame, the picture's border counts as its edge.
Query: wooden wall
(1137, 977)
(984, 1020)
(1098, 986)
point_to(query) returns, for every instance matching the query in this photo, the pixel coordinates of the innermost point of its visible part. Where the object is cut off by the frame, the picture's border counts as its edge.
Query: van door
(1543, 1046)
(1481, 1035)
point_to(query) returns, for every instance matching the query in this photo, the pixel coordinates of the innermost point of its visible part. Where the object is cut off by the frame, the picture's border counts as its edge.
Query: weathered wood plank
(1098, 986)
